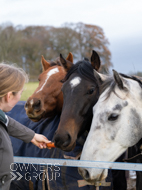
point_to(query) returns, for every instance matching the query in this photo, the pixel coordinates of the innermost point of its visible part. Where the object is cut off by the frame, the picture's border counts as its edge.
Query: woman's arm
(27, 135)
(16, 129)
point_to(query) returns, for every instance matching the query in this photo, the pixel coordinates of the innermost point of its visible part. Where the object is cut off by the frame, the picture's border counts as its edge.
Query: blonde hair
(12, 79)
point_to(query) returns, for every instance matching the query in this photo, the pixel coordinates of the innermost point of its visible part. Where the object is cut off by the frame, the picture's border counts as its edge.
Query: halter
(137, 156)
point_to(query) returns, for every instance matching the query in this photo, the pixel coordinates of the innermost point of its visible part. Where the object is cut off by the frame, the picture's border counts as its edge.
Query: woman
(12, 80)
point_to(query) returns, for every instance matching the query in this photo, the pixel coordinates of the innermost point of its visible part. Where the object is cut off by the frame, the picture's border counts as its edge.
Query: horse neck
(59, 102)
(138, 103)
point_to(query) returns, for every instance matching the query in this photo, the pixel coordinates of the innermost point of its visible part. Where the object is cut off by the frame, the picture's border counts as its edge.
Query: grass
(29, 89)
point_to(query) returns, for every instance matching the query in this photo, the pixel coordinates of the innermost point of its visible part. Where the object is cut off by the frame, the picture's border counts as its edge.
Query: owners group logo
(30, 171)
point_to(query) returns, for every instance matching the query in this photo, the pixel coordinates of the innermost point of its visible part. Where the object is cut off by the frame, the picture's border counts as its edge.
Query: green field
(29, 88)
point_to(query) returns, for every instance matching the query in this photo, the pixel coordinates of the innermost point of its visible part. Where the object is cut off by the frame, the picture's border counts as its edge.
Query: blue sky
(121, 21)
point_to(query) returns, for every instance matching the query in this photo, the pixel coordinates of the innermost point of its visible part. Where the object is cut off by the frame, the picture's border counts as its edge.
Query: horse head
(116, 123)
(80, 93)
(47, 100)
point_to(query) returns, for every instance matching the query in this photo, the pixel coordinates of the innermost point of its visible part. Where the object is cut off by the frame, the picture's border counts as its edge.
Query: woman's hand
(40, 141)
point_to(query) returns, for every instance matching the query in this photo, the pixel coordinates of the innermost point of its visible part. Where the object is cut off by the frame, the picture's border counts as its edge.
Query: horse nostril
(86, 175)
(56, 140)
(26, 105)
(67, 142)
(62, 140)
(37, 105)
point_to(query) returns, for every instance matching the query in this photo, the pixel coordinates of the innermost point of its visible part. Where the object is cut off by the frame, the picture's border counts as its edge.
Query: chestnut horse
(47, 100)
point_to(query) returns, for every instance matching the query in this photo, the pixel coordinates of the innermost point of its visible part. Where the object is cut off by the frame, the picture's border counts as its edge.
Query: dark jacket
(14, 129)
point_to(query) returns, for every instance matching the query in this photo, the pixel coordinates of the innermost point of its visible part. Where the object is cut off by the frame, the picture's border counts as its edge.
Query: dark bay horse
(80, 93)
(47, 100)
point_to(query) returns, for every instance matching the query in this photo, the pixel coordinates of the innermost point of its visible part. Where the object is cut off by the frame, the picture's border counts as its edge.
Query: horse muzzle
(93, 175)
(64, 142)
(34, 109)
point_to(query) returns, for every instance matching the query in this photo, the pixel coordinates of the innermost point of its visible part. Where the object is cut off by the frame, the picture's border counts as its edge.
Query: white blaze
(75, 81)
(51, 72)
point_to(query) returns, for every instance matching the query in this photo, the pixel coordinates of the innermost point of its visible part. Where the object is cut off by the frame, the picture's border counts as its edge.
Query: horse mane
(84, 69)
(55, 62)
(111, 83)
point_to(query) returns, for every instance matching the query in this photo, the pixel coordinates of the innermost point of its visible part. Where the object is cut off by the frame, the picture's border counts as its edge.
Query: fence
(79, 163)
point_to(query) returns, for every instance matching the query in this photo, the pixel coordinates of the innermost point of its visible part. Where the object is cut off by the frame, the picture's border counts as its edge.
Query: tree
(25, 45)
(62, 40)
(8, 42)
(92, 37)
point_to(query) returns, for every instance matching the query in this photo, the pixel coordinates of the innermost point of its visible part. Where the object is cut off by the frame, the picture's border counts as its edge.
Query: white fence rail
(79, 163)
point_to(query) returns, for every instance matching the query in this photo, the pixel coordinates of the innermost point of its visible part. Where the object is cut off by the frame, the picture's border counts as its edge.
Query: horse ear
(95, 60)
(45, 64)
(100, 77)
(70, 57)
(65, 63)
(119, 80)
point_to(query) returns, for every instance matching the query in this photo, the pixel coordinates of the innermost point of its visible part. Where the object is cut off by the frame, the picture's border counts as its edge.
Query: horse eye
(113, 117)
(62, 81)
(90, 91)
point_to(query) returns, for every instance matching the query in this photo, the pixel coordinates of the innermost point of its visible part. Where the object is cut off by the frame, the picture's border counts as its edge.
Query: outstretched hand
(40, 141)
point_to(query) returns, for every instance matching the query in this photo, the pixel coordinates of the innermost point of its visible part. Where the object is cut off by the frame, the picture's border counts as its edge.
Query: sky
(120, 20)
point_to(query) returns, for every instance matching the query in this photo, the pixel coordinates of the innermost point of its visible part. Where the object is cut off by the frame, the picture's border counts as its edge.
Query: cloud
(120, 20)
